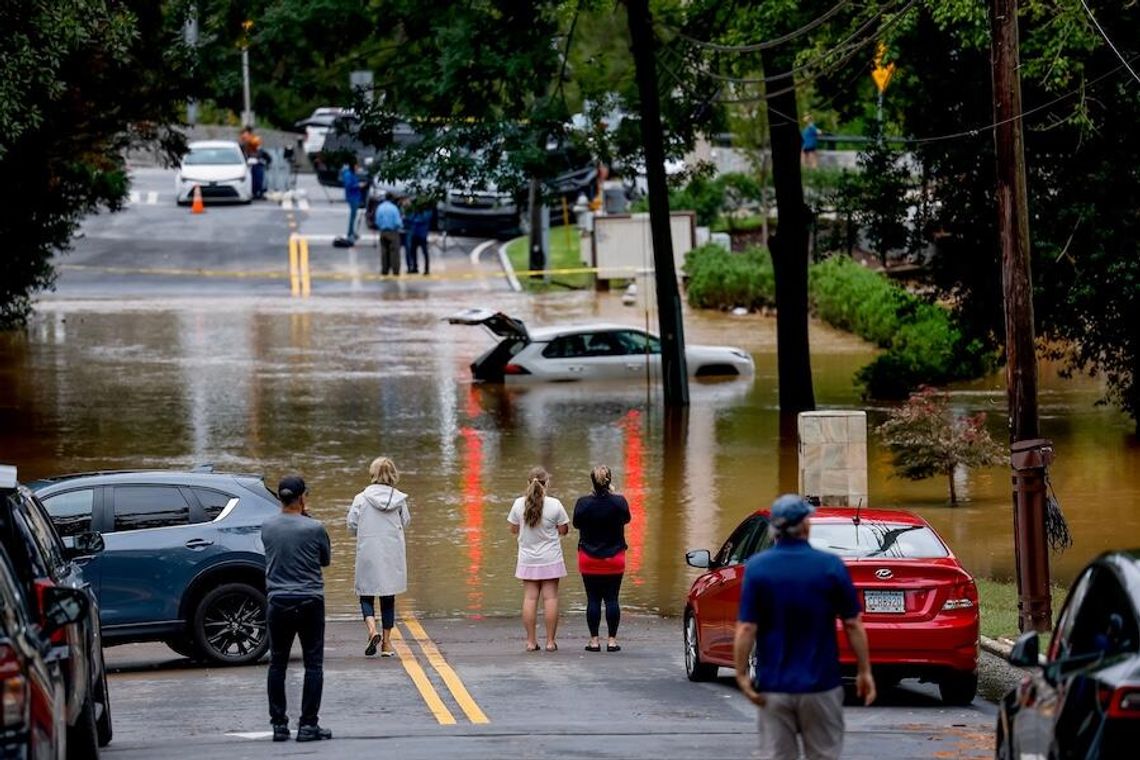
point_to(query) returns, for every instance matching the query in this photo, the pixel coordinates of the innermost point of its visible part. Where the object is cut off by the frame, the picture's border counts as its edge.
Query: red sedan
(920, 605)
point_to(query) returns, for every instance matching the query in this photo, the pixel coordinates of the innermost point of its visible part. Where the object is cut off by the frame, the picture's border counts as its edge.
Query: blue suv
(182, 560)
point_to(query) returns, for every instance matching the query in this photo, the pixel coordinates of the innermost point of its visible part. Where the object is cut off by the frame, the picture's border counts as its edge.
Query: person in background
(388, 221)
(539, 521)
(296, 548)
(600, 519)
(810, 137)
(353, 195)
(418, 224)
(250, 145)
(791, 596)
(378, 516)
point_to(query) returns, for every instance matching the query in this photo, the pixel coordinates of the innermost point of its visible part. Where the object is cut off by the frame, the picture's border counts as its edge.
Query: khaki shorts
(816, 717)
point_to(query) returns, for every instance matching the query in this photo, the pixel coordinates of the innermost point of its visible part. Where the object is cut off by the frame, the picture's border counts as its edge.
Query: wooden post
(674, 371)
(1032, 553)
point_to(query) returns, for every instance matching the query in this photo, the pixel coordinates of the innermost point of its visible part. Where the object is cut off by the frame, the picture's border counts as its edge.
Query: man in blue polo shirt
(790, 599)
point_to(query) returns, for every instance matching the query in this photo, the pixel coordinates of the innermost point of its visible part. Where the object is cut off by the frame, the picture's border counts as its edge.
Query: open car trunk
(490, 366)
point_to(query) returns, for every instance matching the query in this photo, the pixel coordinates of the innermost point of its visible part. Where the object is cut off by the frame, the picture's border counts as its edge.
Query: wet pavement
(465, 689)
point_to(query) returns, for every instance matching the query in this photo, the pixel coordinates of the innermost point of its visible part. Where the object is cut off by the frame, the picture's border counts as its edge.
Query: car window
(1105, 622)
(213, 502)
(877, 539)
(742, 542)
(1060, 644)
(213, 157)
(636, 342)
(43, 534)
(140, 507)
(13, 610)
(565, 347)
(603, 344)
(70, 511)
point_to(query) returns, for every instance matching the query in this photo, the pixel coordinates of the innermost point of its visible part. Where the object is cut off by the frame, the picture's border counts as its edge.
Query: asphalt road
(154, 247)
(492, 700)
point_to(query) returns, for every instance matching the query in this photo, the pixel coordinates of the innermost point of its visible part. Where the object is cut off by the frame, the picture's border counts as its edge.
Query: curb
(508, 269)
(1002, 648)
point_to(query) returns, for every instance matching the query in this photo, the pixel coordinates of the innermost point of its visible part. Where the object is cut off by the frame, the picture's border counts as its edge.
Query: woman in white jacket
(377, 518)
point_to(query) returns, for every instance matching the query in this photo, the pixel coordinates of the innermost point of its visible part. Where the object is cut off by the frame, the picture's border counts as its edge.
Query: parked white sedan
(585, 352)
(219, 168)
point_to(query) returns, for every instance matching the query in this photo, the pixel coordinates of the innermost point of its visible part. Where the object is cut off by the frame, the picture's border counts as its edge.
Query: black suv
(182, 560)
(43, 565)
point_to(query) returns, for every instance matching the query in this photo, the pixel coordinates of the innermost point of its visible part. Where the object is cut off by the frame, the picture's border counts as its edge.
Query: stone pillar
(833, 456)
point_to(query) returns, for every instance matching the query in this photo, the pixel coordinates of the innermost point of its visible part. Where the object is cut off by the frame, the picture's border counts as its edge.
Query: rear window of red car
(877, 539)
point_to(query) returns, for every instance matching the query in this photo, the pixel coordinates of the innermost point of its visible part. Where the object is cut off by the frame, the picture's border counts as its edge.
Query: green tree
(926, 438)
(80, 81)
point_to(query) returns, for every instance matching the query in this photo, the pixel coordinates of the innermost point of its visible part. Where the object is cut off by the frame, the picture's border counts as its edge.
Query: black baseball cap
(290, 488)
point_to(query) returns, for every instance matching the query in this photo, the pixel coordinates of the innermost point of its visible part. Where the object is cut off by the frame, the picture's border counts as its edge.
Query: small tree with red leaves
(926, 438)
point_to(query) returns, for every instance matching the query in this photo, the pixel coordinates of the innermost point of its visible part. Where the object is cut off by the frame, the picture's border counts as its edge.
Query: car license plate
(884, 601)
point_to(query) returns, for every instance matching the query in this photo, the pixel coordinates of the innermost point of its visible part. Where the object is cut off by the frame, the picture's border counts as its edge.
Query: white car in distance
(586, 352)
(219, 168)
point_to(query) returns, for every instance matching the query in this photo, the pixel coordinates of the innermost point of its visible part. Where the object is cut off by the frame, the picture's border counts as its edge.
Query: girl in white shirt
(539, 521)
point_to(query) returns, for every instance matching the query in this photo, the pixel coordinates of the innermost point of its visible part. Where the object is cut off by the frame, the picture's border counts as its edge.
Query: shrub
(719, 279)
(924, 345)
(926, 439)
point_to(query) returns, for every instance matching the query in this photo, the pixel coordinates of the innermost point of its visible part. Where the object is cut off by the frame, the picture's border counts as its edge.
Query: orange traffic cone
(197, 207)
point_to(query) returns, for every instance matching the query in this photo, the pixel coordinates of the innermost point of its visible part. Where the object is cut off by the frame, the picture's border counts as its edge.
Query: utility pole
(247, 109)
(1029, 454)
(674, 371)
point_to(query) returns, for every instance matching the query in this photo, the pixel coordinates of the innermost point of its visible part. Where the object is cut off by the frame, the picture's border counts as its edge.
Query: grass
(564, 254)
(998, 607)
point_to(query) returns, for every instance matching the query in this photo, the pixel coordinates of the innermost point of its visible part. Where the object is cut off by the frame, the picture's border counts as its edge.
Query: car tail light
(13, 690)
(515, 369)
(1125, 703)
(963, 596)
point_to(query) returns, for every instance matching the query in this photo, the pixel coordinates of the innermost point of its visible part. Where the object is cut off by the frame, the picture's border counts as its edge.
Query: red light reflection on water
(473, 517)
(634, 490)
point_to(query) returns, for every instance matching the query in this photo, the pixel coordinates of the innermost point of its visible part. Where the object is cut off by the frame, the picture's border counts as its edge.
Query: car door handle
(633, 367)
(198, 543)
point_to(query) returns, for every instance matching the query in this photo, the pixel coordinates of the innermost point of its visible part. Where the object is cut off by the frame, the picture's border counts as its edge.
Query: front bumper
(234, 191)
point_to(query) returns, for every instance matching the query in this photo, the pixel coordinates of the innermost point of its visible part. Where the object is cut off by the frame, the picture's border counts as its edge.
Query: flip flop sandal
(613, 647)
(533, 649)
(387, 652)
(373, 642)
(551, 647)
(598, 648)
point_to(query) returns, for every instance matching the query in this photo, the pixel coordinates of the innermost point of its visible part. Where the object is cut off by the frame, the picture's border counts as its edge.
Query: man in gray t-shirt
(296, 548)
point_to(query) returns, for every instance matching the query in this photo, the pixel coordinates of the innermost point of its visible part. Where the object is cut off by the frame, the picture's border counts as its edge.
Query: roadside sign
(882, 74)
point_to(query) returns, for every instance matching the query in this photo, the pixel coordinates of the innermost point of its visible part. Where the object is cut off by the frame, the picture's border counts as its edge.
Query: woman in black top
(600, 519)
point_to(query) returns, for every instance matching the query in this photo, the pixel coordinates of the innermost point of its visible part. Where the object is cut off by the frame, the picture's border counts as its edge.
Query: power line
(1100, 29)
(767, 44)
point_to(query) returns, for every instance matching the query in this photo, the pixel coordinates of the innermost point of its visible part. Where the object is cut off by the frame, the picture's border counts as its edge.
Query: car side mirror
(63, 606)
(700, 558)
(83, 545)
(1025, 653)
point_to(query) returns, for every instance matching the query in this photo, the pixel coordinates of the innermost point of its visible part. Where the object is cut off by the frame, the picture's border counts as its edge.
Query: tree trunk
(789, 245)
(953, 489)
(674, 370)
(537, 259)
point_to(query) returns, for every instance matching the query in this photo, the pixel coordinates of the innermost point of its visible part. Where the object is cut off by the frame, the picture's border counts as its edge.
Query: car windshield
(877, 539)
(213, 157)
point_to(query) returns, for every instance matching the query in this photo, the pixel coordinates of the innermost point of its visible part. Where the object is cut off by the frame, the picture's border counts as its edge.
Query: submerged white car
(585, 352)
(219, 168)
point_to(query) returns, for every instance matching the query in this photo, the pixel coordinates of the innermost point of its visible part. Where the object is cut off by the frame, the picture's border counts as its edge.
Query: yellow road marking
(446, 672)
(416, 672)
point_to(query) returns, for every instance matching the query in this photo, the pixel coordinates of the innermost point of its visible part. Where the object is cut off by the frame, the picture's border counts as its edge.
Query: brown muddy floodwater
(324, 386)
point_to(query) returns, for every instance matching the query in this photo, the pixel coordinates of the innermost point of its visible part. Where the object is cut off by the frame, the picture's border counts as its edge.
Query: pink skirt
(545, 572)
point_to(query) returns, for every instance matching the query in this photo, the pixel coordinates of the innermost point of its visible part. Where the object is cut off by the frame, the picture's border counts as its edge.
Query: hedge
(923, 344)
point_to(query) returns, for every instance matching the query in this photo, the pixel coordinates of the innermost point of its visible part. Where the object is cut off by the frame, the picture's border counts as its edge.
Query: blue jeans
(289, 618)
(387, 610)
(353, 208)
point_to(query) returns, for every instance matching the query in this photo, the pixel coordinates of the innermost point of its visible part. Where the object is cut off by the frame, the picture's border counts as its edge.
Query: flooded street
(268, 386)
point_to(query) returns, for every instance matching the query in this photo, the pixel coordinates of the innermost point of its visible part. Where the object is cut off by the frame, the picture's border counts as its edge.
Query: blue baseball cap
(789, 510)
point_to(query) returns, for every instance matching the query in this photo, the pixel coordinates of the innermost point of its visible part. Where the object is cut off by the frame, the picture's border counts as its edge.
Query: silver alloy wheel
(235, 626)
(691, 654)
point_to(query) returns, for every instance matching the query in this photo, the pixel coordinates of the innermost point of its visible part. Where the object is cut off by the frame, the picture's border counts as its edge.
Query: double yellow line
(424, 685)
(300, 281)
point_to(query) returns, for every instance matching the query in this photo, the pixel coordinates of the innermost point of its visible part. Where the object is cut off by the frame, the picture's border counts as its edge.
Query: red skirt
(588, 565)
